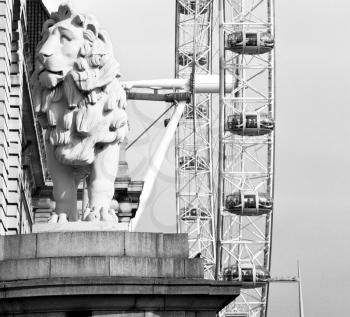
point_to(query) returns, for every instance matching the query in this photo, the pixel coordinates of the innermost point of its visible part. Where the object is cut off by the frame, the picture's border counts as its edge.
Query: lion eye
(65, 34)
(65, 37)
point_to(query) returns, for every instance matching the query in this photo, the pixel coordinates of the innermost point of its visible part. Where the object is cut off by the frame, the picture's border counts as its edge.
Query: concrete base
(80, 226)
(121, 274)
(93, 296)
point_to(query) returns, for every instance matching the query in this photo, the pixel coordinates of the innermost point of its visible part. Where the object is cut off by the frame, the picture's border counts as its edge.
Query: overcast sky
(312, 209)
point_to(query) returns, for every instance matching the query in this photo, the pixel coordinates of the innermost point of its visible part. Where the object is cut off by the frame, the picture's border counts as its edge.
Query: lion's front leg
(101, 183)
(64, 188)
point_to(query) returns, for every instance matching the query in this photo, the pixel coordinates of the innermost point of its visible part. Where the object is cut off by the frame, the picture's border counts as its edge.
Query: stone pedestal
(106, 273)
(80, 226)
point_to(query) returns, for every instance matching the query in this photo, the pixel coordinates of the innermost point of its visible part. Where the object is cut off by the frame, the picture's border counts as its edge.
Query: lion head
(76, 92)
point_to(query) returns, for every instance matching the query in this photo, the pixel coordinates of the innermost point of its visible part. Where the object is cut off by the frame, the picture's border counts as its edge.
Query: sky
(312, 209)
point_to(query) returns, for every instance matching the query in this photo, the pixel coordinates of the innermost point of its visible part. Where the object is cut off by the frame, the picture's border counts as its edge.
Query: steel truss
(194, 187)
(246, 166)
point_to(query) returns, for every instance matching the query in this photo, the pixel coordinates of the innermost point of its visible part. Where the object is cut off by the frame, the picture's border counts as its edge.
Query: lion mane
(86, 110)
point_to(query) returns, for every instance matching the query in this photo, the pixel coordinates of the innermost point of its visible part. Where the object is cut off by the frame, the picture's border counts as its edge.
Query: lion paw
(90, 215)
(58, 218)
(109, 216)
(100, 214)
(53, 218)
(62, 218)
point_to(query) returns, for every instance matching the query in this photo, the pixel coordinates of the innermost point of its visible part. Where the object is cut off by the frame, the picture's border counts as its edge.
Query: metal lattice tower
(194, 188)
(247, 145)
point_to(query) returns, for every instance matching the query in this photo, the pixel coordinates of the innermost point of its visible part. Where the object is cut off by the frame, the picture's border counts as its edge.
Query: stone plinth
(80, 226)
(106, 274)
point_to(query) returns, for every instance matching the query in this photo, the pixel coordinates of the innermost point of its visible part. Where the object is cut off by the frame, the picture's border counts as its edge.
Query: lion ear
(65, 11)
(104, 37)
(92, 28)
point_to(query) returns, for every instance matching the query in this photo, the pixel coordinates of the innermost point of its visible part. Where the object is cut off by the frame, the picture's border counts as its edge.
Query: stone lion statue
(81, 106)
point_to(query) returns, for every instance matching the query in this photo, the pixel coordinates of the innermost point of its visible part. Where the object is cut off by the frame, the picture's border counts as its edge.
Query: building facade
(21, 168)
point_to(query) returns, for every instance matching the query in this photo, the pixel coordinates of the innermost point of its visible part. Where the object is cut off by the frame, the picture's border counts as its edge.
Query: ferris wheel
(227, 210)
(194, 168)
(238, 247)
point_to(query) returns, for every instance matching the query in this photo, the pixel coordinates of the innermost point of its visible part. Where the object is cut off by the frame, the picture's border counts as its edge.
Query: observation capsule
(246, 273)
(250, 43)
(243, 204)
(250, 124)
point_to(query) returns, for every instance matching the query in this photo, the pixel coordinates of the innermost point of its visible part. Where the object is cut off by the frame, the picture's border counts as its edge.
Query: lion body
(81, 105)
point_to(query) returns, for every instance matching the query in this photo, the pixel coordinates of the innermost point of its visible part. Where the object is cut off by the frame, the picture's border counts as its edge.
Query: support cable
(149, 127)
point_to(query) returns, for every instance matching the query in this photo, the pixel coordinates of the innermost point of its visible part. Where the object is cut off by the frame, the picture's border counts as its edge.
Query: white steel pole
(203, 84)
(301, 303)
(156, 163)
(221, 132)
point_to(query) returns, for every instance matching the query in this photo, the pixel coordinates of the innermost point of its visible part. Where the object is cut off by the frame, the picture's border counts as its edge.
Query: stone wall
(121, 274)
(16, 177)
(7, 215)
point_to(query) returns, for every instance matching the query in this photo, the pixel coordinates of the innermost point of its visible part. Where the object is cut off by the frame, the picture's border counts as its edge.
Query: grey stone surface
(130, 314)
(44, 315)
(137, 243)
(149, 302)
(206, 314)
(171, 243)
(77, 226)
(109, 273)
(195, 267)
(79, 266)
(93, 243)
(18, 246)
(170, 314)
(171, 267)
(24, 269)
(134, 266)
(156, 244)
(118, 314)
(115, 295)
(152, 267)
(85, 266)
(61, 244)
